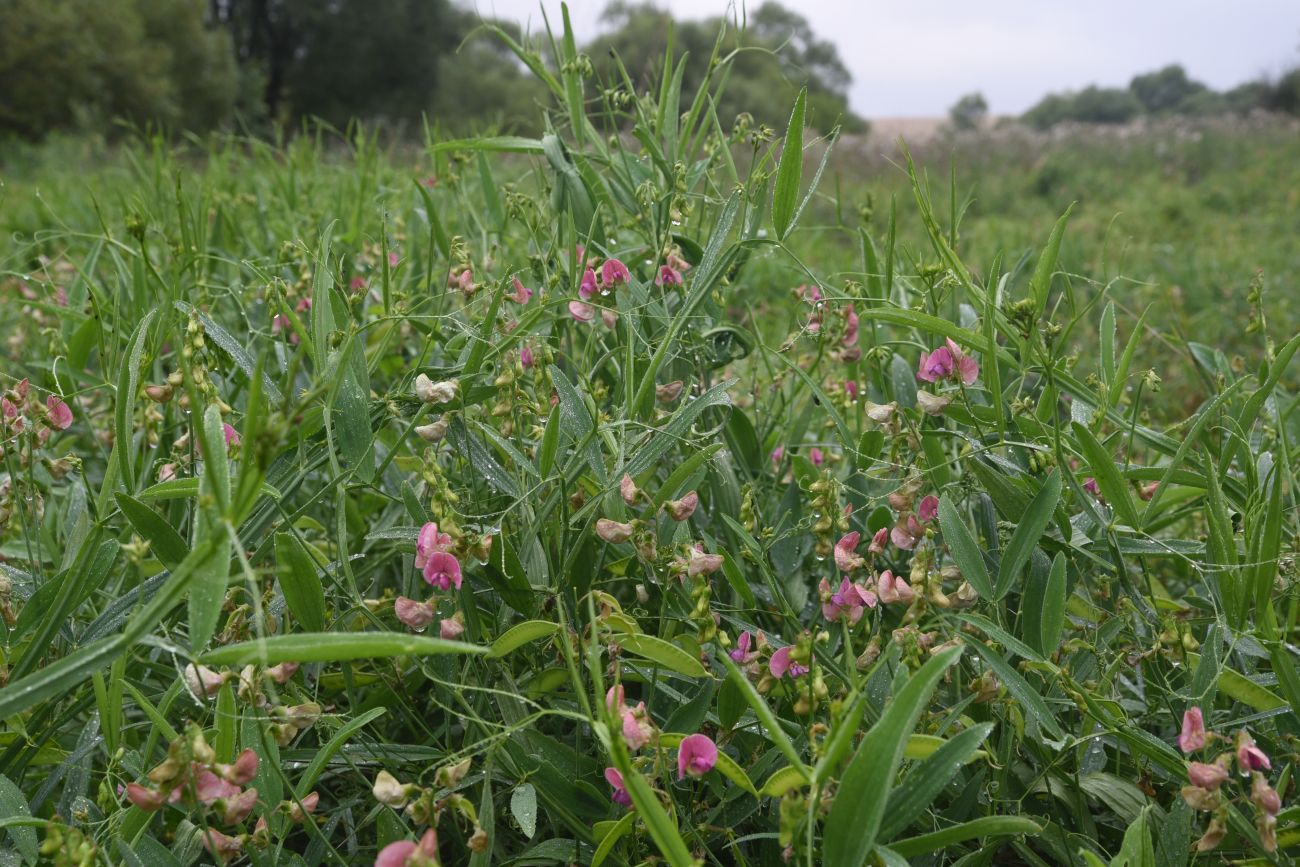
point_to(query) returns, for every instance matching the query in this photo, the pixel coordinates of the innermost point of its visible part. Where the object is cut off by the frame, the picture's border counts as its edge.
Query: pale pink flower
(907, 532)
(146, 799)
(522, 293)
(59, 414)
(404, 853)
(414, 615)
(628, 490)
(208, 787)
(166, 472)
(891, 588)
(701, 563)
(231, 435)
(932, 404)
(928, 509)
(450, 629)
(681, 510)
(612, 531)
(1193, 735)
(637, 728)
(620, 795)
(696, 755)
(242, 772)
(781, 664)
(1206, 776)
(846, 552)
(609, 317)
(1264, 796)
(850, 326)
(581, 312)
(237, 808)
(613, 272)
(282, 672)
(442, 571)
(968, 369)
(298, 813)
(222, 846)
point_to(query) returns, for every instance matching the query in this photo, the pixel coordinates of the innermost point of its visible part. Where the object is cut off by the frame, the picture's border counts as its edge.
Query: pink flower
(166, 472)
(587, 288)
(1264, 796)
(428, 543)
(777, 454)
(928, 510)
(1090, 485)
(815, 455)
(522, 293)
(781, 664)
(894, 589)
(846, 552)
(222, 846)
(848, 601)
(392, 259)
(1249, 756)
(581, 312)
(232, 435)
(356, 284)
(681, 510)
(696, 756)
(701, 563)
(968, 369)
(60, 415)
(609, 317)
(242, 772)
(442, 571)
(637, 728)
(850, 326)
(282, 672)
(412, 614)
(628, 490)
(669, 276)
(612, 531)
(465, 282)
(613, 272)
(146, 799)
(935, 366)
(1192, 737)
(851, 388)
(236, 809)
(526, 356)
(878, 541)
(907, 532)
(614, 697)
(208, 787)
(740, 653)
(1206, 776)
(615, 780)
(450, 629)
(404, 853)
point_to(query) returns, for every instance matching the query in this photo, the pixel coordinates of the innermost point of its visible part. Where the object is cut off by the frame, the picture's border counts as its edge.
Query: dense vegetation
(757, 524)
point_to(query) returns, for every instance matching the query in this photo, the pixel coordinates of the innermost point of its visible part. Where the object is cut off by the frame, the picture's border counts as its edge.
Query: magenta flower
(850, 326)
(526, 356)
(878, 541)
(1193, 735)
(669, 276)
(846, 552)
(581, 312)
(429, 542)
(696, 756)
(781, 664)
(935, 365)
(741, 653)
(442, 571)
(928, 510)
(613, 272)
(412, 614)
(1249, 756)
(1090, 485)
(620, 795)
(848, 601)
(815, 455)
(60, 415)
(1206, 776)
(232, 435)
(907, 532)
(522, 293)
(588, 288)
(851, 388)
(968, 369)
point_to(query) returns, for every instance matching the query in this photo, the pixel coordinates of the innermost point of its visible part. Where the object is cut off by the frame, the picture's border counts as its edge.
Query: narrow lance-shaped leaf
(1032, 525)
(789, 172)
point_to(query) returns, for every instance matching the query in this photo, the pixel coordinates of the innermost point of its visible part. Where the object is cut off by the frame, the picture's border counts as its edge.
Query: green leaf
(855, 817)
(208, 593)
(1052, 623)
(986, 826)
(965, 550)
(789, 172)
(775, 734)
(334, 647)
(1041, 283)
(13, 806)
(678, 428)
(128, 383)
(1025, 539)
(1014, 681)
(163, 539)
(664, 653)
(1111, 483)
(322, 756)
(517, 636)
(620, 829)
(915, 792)
(523, 806)
(299, 581)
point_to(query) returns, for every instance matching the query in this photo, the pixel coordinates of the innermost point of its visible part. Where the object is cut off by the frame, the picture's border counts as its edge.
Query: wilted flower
(907, 532)
(620, 795)
(932, 404)
(387, 790)
(638, 729)
(628, 490)
(701, 563)
(144, 798)
(522, 293)
(581, 312)
(237, 808)
(434, 431)
(1207, 776)
(451, 628)
(222, 846)
(1193, 735)
(429, 391)
(612, 531)
(415, 615)
(201, 681)
(667, 393)
(681, 510)
(696, 755)
(880, 412)
(1263, 795)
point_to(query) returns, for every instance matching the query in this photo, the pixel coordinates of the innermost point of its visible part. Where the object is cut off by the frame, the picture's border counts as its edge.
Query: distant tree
(968, 112)
(1164, 90)
(1090, 105)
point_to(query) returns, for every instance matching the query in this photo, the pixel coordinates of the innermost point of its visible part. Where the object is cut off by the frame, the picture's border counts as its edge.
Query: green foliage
(968, 112)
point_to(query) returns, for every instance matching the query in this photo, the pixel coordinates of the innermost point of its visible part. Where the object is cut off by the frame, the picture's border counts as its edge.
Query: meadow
(695, 495)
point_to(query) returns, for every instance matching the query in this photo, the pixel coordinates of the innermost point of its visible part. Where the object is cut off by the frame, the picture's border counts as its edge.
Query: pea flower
(620, 795)
(404, 853)
(1208, 776)
(891, 588)
(681, 510)
(701, 563)
(907, 532)
(144, 798)
(878, 541)
(848, 601)
(613, 272)
(638, 729)
(231, 435)
(1193, 735)
(522, 293)
(781, 664)
(928, 509)
(815, 455)
(613, 532)
(1264, 796)
(667, 393)
(429, 391)
(669, 276)
(442, 571)
(412, 614)
(932, 404)
(581, 312)
(587, 288)
(846, 552)
(451, 628)
(388, 790)
(696, 755)
(628, 490)
(429, 542)
(59, 415)
(1249, 756)
(741, 653)
(223, 847)
(947, 361)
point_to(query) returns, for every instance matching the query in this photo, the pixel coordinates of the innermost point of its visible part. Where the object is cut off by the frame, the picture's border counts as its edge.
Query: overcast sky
(916, 57)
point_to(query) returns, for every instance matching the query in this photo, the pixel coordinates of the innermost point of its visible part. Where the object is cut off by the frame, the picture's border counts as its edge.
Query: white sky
(916, 57)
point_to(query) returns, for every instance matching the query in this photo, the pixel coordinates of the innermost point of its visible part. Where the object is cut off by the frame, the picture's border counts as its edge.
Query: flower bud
(387, 790)
(433, 431)
(681, 510)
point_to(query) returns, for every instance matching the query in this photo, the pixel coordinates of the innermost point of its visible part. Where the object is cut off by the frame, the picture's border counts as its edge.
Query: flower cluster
(422, 805)
(1206, 793)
